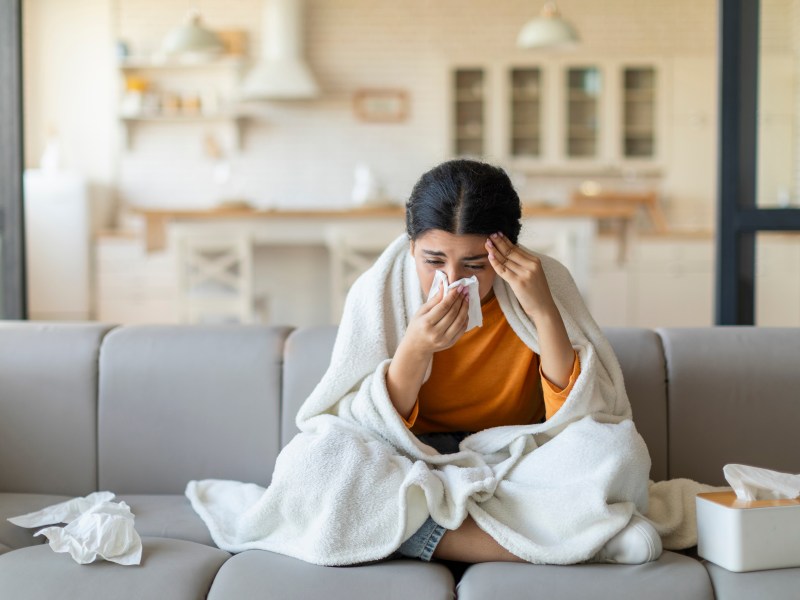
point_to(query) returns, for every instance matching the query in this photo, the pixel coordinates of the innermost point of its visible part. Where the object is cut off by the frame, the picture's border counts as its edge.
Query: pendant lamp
(548, 31)
(191, 40)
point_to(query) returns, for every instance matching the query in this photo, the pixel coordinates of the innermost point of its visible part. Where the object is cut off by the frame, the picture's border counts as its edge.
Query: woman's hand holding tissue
(437, 325)
(524, 273)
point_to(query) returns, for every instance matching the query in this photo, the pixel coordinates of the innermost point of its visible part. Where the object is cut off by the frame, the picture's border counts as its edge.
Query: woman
(509, 441)
(463, 218)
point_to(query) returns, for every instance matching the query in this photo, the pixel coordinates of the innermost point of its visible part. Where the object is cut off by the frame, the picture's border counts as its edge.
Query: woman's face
(457, 255)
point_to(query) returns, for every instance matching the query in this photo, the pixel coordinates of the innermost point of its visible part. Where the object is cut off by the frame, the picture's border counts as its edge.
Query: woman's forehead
(442, 243)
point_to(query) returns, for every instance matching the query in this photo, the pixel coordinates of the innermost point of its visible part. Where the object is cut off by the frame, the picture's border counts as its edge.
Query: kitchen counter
(156, 219)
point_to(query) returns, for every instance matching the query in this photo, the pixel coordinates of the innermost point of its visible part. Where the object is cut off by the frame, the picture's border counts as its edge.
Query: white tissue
(471, 283)
(753, 483)
(95, 527)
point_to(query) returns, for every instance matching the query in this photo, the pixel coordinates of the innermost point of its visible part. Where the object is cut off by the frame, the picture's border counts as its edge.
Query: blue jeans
(423, 543)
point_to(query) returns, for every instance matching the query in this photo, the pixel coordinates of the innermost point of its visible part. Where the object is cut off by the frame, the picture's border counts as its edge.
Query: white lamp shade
(191, 38)
(548, 31)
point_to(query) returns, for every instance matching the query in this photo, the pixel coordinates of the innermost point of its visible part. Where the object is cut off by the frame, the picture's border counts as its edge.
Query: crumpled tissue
(95, 527)
(471, 283)
(754, 483)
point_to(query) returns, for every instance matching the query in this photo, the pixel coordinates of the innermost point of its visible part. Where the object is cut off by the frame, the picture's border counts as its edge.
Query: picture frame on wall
(381, 105)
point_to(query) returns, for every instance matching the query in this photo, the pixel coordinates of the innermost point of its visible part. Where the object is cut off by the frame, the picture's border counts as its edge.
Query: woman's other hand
(524, 273)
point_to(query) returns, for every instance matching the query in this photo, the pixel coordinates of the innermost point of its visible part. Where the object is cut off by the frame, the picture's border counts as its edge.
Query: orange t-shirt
(487, 379)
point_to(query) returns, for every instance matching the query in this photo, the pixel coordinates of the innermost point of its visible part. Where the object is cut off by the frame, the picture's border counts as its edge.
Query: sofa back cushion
(641, 358)
(734, 397)
(307, 356)
(188, 402)
(308, 353)
(48, 407)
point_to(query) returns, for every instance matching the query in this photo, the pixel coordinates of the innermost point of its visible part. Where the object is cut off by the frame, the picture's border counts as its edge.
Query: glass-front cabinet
(561, 114)
(583, 119)
(638, 112)
(526, 112)
(468, 102)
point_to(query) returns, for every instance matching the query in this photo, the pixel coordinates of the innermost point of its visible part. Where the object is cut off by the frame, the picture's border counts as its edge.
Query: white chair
(215, 271)
(353, 249)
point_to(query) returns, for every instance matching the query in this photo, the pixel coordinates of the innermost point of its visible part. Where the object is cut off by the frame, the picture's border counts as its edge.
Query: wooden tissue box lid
(729, 500)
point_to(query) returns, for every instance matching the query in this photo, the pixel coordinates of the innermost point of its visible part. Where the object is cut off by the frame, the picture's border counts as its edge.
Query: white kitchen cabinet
(610, 283)
(576, 114)
(673, 282)
(134, 286)
(667, 281)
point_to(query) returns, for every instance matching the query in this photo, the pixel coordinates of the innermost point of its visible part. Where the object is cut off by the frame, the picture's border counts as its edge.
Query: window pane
(778, 279)
(778, 183)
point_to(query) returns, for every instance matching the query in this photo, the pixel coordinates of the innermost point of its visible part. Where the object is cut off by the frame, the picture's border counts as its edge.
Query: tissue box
(741, 535)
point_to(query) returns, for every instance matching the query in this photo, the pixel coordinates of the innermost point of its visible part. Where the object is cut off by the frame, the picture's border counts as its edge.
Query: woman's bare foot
(469, 543)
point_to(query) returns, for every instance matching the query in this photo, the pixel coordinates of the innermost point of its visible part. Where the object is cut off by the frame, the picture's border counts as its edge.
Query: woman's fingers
(459, 324)
(434, 300)
(506, 252)
(449, 304)
(501, 262)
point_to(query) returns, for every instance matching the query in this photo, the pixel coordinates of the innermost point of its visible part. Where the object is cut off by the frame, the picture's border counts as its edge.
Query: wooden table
(608, 199)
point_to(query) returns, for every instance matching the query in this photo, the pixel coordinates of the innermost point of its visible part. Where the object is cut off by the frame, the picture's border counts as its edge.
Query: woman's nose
(454, 274)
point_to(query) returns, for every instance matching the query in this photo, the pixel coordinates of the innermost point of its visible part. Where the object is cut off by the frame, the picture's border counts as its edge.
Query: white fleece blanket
(355, 483)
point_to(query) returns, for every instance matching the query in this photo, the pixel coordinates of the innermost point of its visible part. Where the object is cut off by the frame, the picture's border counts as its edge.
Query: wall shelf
(168, 92)
(144, 64)
(235, 121)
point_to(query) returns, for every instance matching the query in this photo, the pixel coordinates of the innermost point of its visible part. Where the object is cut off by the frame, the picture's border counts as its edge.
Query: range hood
(281, 73)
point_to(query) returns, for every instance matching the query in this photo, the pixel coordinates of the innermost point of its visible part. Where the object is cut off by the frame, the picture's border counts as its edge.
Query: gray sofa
(141, 410)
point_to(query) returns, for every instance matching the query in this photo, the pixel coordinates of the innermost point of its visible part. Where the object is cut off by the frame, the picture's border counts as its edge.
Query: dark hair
(464, 197)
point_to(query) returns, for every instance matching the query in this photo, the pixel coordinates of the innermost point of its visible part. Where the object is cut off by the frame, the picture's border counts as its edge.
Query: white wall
(68, 89)
(302, 154)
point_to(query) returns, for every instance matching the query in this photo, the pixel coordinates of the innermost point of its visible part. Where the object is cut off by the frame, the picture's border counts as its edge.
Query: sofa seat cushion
(168, 516)
(777, 584)
(266, 575)
(14, 505)
(170, 570)
(671, 576)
